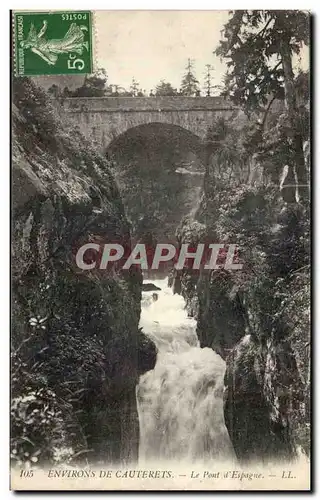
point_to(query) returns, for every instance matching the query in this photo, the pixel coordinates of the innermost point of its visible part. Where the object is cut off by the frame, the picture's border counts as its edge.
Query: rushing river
(180, 402)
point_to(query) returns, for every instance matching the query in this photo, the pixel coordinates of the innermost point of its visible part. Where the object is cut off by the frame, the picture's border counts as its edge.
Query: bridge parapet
(127, 104)
(104, 119)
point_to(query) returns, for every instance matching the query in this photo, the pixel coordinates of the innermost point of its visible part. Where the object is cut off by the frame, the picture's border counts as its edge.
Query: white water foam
(180, 401)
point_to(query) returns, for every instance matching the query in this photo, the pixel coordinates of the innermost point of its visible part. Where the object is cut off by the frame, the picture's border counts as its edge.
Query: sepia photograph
(160, 250)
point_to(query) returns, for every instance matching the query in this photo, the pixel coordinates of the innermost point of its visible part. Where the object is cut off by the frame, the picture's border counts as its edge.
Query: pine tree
(207, 80)
(134, 87)
(189, 84)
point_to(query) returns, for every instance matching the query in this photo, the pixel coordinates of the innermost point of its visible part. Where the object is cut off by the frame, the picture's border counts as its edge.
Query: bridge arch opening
(159, 168)
(156, 132)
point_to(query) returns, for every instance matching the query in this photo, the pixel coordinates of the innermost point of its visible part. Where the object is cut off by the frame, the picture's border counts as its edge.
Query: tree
(55, 90)
(189, 84)
(259, 46)
(134, 87)
(94, 85)
(208, 79)
(165, 88)
(67, 92)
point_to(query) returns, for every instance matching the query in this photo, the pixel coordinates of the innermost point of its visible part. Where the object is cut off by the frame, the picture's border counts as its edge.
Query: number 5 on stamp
(53, 43)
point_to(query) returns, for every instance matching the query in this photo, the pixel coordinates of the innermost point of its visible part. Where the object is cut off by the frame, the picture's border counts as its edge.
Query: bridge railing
(165, 103)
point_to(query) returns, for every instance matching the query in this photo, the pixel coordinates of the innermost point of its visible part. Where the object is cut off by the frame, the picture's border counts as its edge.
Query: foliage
(31, 102)
(165, 88)
(258, 46)
(39, 419)
(94, 85)
(189, 85)
(208, 80)
(252, 47)
(66, 324)
(134, 88)
(271, 296)
(227, 153)
(55, 91)
(269, 299)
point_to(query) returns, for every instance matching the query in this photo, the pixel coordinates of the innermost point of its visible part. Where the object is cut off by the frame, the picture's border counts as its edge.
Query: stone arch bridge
(105, 119)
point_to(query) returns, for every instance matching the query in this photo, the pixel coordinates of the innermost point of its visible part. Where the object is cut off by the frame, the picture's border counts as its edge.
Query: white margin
(4, 197)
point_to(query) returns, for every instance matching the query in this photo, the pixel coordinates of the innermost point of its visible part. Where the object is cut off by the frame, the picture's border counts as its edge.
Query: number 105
(26, 473)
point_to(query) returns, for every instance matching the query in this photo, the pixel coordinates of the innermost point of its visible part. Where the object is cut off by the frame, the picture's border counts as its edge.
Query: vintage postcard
(160, 250)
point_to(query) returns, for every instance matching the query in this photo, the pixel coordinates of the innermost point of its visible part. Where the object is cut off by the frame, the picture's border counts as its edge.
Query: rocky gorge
(77, 351)
(257, 318)
(77, 347)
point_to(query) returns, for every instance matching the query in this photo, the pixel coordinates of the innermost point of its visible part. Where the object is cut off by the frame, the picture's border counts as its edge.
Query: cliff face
(256, 318)
(77, 351)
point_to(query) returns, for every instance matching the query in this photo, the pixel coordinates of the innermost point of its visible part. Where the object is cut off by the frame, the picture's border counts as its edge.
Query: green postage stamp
(53, 43)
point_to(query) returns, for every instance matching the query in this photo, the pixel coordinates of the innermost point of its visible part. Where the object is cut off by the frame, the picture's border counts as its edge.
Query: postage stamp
(53, 43)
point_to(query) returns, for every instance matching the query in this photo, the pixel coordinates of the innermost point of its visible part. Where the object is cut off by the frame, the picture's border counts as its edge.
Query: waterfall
(180, 401)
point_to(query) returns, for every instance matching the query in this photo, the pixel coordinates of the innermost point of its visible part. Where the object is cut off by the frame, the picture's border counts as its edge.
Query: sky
(155, 45)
